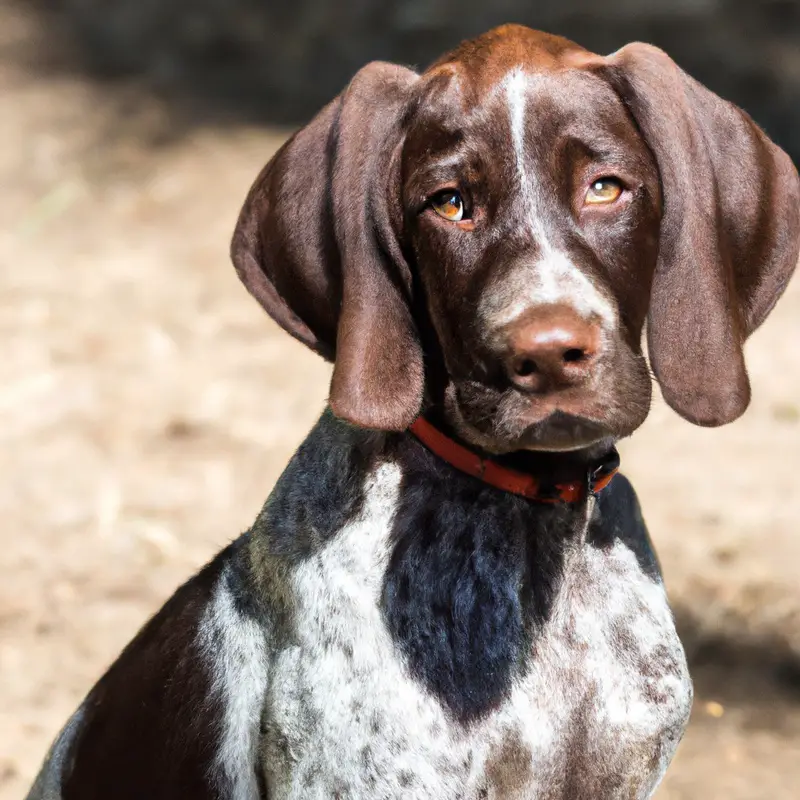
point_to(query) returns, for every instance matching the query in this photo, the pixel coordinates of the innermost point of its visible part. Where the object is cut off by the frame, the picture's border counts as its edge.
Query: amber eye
(449, 205)
(603, 190)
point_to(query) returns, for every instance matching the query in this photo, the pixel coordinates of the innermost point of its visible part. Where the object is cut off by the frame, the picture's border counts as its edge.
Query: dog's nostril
(525, 367)
(574, 354)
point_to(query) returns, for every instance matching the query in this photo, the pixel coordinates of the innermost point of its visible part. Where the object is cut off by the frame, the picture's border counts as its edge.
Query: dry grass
(148, 406)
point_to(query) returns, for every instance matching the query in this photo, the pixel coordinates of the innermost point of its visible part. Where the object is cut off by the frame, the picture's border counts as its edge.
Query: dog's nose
(551, 347)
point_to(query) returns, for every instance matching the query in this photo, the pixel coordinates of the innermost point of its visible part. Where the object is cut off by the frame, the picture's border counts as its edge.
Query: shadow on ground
(740, 671)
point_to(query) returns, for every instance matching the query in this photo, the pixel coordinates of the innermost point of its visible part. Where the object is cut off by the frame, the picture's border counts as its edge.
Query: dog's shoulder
(160, 722)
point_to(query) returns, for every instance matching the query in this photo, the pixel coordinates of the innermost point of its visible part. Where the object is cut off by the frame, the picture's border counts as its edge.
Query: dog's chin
(560, 433)
(556, 433)
(515, 426)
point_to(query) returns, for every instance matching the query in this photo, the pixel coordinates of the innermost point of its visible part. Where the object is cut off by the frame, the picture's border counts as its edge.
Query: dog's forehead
(490, 56)
(548, 76)
(480, 65)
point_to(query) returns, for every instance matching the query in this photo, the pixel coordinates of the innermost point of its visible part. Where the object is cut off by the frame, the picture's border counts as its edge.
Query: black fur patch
(471, 580)
(619, 516)
(320, 490)
(240, 582)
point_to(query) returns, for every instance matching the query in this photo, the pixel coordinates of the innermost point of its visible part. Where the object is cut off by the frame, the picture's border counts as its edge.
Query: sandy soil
(148, 406)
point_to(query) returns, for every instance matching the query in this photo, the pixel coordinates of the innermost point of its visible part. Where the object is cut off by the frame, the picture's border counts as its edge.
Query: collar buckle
(601, 474)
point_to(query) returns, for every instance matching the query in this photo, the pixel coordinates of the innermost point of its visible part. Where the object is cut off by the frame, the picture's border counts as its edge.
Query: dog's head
(490, 237)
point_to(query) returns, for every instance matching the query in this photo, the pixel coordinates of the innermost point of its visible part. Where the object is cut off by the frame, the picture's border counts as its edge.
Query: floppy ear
(317, 246)
(730, 232)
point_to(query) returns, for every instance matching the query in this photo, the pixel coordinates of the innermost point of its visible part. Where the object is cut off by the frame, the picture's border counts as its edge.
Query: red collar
(510, 480)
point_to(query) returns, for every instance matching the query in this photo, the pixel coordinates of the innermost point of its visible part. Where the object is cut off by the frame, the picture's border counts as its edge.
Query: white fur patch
(236, 648)
(609, 619)
(344, 713)
(553, 278)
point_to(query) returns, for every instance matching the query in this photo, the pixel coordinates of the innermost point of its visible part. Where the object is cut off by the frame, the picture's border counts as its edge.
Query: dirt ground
(148, 406)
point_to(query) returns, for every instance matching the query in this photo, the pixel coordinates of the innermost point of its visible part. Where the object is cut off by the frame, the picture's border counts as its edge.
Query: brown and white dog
(456, 611)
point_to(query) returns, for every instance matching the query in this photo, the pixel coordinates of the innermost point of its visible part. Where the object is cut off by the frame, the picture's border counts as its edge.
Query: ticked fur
(595, 708)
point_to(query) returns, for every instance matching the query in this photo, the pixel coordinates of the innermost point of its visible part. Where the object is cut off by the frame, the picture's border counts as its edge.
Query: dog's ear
(317, 245)
(730, 231)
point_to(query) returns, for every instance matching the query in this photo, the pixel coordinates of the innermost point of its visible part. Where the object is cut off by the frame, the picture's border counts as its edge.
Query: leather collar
(598, 474)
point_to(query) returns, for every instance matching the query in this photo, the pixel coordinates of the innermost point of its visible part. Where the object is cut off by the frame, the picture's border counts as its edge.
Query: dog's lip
(562, 431)
(564, 422)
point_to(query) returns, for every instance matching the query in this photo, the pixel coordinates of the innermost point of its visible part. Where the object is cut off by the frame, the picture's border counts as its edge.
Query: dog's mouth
(503, 422)
(561, 432)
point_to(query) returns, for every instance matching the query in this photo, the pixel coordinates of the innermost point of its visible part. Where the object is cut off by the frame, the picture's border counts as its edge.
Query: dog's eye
(603, 190)
(449, 205)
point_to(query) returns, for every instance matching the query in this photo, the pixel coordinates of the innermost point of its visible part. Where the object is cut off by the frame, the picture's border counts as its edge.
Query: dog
(450, 593)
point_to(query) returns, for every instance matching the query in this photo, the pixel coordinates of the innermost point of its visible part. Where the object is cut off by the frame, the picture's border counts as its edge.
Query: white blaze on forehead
(515, 85)
(553, 277)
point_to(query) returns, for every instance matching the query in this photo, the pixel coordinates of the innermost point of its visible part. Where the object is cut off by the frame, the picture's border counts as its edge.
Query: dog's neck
(326, 476)
(465, 574)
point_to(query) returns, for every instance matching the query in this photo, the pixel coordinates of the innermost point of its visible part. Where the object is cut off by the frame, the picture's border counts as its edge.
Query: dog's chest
(596, 710)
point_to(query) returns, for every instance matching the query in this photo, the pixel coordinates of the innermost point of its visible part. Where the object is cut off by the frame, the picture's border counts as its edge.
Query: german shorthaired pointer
(437, 600)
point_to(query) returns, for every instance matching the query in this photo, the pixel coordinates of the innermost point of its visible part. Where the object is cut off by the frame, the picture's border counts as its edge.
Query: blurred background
(148, 405)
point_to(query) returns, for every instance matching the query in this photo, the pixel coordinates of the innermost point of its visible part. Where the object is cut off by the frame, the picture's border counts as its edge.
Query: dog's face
(532, 211)
(491, 236)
